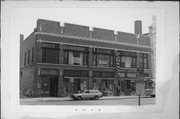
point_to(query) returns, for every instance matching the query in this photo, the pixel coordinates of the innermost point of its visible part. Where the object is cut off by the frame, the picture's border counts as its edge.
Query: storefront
(104, 82)
(49, 82)
(126, 87)
(75, 81)
(126, 83)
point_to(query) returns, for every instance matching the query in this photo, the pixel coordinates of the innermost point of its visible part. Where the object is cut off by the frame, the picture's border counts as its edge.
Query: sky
(117, 19)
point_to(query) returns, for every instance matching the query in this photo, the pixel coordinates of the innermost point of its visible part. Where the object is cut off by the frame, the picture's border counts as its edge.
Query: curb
(102, 98)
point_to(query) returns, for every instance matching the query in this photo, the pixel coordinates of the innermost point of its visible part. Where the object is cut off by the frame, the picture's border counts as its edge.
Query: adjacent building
(59, 60)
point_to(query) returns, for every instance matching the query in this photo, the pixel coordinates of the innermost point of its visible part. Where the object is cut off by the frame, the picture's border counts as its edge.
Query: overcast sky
(117, 19)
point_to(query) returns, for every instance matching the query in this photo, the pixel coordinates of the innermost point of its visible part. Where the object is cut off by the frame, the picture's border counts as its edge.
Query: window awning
(77, 77)
(104, 78)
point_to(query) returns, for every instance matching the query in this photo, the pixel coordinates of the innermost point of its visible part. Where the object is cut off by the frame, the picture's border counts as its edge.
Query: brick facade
(40, 77)
(76, 30)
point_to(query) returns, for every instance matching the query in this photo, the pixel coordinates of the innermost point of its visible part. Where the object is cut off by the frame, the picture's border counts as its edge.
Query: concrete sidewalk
(68, 98)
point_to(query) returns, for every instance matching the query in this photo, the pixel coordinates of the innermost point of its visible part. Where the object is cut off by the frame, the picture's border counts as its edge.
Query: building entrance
(53, 87)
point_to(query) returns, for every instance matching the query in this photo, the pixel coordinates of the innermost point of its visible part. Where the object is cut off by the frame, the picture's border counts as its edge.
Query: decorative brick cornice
(90, 39)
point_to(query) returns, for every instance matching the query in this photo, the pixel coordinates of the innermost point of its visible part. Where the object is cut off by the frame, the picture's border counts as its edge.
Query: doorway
(53, 87)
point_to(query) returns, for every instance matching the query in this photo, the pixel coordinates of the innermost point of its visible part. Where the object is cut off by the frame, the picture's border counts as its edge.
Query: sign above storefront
(75, 73)
(51, 72)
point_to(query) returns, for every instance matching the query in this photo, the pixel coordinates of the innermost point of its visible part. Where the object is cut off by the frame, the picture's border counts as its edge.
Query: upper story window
(32, 60)
(128, 59)
(25, 59)
(143, 63)
(103, 58)
(28, 56)
(75, 57)
(129, 62)
(50, 53)
(21, 73)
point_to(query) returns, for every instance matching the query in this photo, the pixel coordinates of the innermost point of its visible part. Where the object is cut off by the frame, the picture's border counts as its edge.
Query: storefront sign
(121, 75)
(75, 73)
(52, 72)
(131, 75)
(99, 74)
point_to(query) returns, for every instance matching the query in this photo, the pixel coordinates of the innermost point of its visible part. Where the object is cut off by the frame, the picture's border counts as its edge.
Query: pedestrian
(118, 90)
(64, 91)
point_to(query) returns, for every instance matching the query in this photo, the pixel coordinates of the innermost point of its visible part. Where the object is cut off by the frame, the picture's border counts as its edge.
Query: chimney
(138, 27)
(21, 37)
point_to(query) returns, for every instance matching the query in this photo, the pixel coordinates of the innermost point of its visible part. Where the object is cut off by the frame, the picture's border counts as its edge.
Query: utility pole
(139, 84)
(139, 99)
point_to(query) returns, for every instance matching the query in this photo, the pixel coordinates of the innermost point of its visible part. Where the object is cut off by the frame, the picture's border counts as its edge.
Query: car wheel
(79, 98)
(95, 97)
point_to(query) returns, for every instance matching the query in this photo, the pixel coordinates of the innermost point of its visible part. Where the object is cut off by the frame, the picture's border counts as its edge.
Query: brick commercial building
(59, 60)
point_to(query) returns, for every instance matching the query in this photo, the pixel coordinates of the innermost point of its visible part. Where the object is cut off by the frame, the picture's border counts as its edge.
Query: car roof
(93, 91)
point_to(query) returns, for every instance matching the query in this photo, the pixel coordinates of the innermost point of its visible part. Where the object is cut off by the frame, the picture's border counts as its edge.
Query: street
(101, 101)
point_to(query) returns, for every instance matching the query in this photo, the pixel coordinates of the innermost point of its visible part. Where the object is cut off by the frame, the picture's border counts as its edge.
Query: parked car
(150, 92)
(87, 94)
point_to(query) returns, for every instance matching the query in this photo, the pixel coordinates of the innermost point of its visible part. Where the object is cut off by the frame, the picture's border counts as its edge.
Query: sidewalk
(68, 98)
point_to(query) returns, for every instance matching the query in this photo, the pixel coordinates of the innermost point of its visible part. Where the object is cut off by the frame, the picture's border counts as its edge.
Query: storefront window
(107, 87)
(44, 85)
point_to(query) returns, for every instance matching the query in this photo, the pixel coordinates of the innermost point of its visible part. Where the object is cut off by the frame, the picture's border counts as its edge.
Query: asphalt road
(132, 101)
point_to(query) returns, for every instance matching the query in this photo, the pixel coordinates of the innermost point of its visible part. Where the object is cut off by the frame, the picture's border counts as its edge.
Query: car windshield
(87, 91)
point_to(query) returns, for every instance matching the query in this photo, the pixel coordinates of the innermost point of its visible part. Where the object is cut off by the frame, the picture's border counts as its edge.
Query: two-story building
(59, 60)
